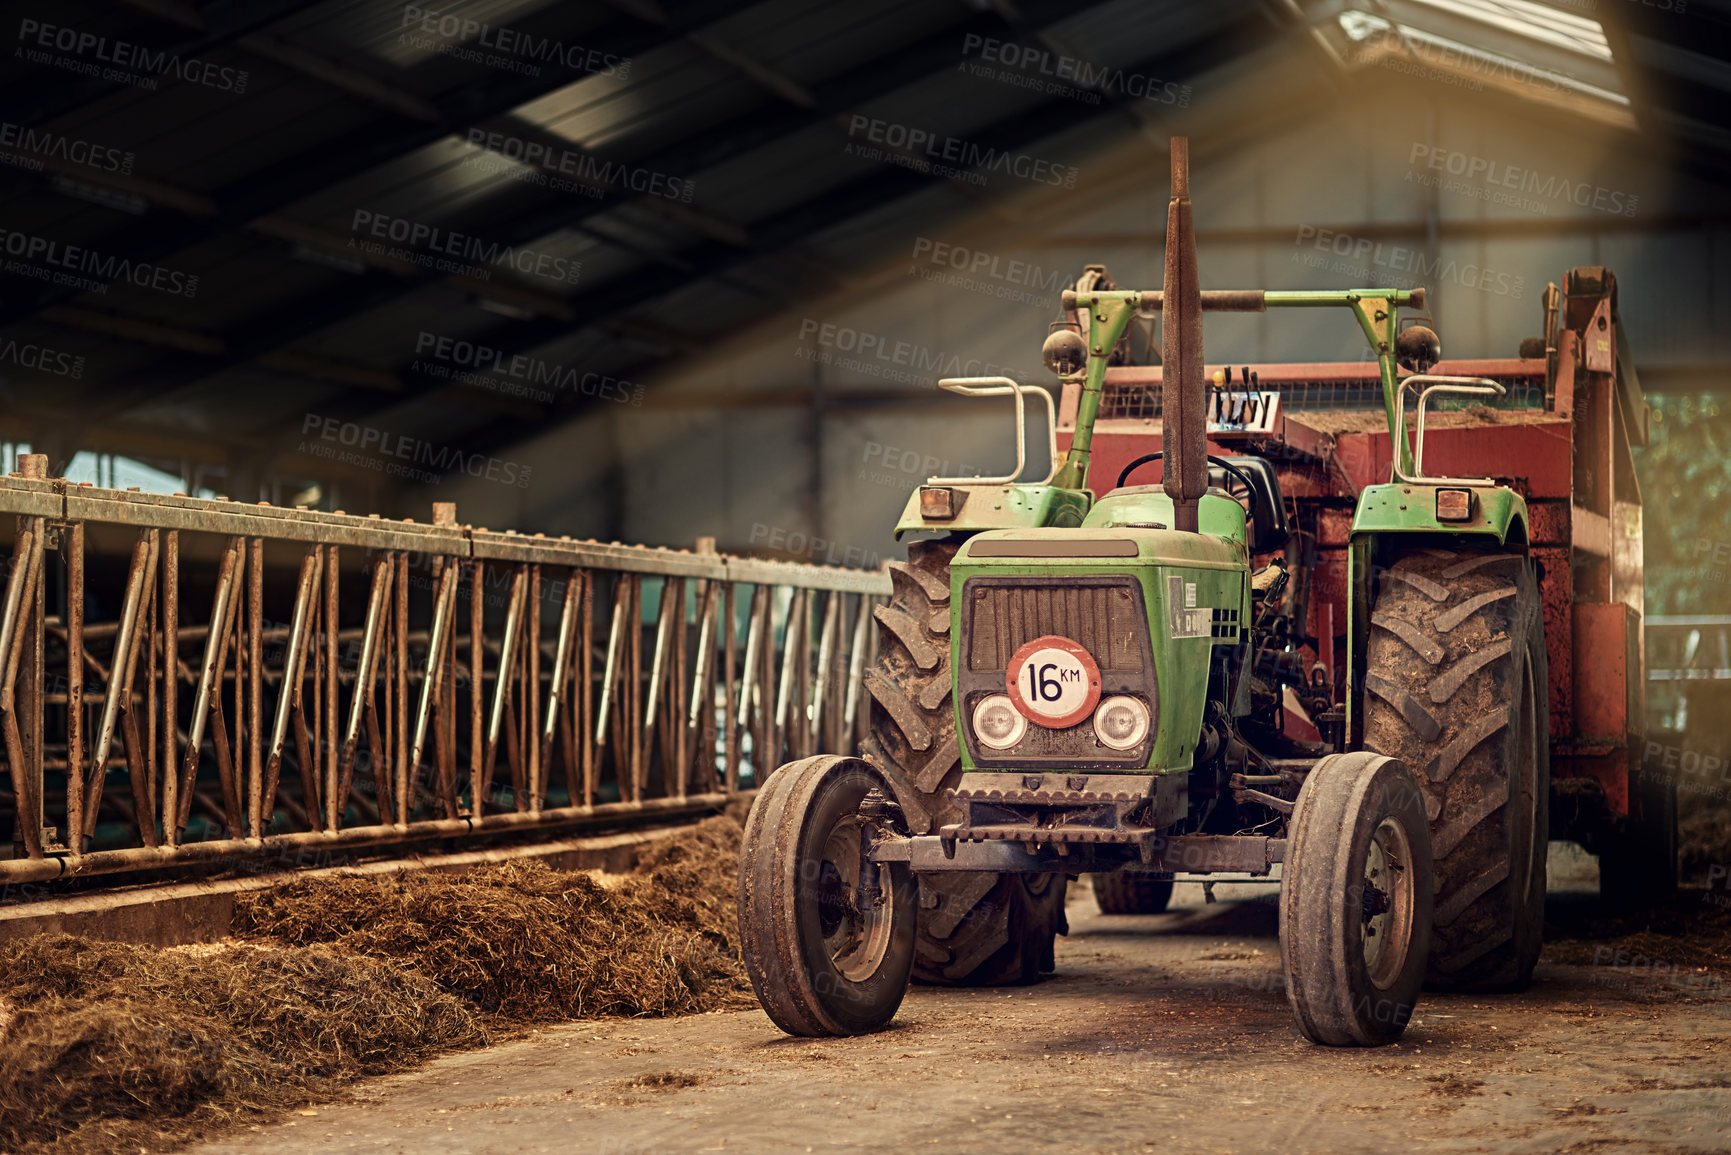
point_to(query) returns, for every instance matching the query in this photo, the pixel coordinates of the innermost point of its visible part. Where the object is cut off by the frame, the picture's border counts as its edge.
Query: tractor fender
(1402, 507)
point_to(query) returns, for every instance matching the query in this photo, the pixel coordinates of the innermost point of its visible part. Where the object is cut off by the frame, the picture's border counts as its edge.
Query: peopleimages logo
(130, 63)
(817, 550)
(62, 264)
(935, 152)
(33, 144)
(990, 274)
(438, 244)
(407, 454)
(896, 468)
(1365, 257)
(464, 39)
(469, 361)
(1492, 177)
(878, 356)
(1068, 76)
(589, 175)
(42, 359)
(979, 263)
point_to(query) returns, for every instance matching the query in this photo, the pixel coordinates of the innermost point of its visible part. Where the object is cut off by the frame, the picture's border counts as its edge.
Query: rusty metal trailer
(186, 682)
(1562, 438)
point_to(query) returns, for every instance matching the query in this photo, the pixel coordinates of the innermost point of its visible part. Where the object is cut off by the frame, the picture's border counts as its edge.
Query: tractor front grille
(1104, 614)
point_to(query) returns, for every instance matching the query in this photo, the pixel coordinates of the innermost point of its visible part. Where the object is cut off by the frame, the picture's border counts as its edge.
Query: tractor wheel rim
(1386, 935)
(855, 939)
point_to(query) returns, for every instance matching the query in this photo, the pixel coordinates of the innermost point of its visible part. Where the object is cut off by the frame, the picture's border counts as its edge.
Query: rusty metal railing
(184, 679)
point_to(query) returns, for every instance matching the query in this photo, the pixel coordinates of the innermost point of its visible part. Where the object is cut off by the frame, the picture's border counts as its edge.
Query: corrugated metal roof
(393, 175)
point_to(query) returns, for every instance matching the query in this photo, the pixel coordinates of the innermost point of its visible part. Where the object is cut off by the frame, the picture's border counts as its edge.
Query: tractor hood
(1058, 624)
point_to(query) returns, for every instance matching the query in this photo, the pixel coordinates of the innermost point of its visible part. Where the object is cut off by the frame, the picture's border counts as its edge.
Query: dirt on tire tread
(1487, 626)
(968, 933)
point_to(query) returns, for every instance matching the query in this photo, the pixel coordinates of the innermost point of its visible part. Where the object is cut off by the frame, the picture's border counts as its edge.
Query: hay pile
(117, 1047)
(107, 1047)
(532, 944)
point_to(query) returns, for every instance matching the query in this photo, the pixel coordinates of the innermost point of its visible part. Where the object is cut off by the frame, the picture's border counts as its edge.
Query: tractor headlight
(997, 722)
(1121, 722)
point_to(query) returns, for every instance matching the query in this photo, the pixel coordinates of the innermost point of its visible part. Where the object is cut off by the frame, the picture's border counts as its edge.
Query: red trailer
(1561, 437)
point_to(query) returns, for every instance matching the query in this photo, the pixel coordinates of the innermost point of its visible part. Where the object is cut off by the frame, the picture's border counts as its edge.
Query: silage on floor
(107, 1047)
(531, 943)
(111, 1045)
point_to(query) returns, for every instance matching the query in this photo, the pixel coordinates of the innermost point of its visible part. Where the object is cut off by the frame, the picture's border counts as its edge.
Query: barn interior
(558, 319)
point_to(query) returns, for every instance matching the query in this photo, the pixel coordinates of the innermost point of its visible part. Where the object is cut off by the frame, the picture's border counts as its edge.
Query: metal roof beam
(519, 225)
(599, 305)
(373, 89)
(298, 176)
(608, 301)
(29, 101)
(776, 83)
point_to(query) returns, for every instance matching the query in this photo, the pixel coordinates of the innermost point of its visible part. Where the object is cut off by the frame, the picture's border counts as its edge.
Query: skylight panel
(1477, 61)
(1534, 21)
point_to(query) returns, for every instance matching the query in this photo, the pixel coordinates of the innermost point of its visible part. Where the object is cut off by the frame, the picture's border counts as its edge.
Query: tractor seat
(1270, 529)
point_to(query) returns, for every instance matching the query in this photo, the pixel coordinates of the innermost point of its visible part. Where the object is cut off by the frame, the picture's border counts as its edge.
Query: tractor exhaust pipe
(1185, 439)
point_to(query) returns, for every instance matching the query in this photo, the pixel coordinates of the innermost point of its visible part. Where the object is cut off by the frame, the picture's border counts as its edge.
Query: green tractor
(1069, 685)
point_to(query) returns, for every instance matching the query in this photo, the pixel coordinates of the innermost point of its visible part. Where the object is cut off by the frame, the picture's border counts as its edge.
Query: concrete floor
(1167, 1032)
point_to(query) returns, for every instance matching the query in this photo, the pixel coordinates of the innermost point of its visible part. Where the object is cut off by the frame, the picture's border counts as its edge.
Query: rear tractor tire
(1123, 892)
(1456, 688)
(1355, 901)
(974, 929)
(828, 938)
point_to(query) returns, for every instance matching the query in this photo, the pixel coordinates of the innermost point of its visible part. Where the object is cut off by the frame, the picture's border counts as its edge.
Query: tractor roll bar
(1002, 387)
(1470, 386)
(1260, 300)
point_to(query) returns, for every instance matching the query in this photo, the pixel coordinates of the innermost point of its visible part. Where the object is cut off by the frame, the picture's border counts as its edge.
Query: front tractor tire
(1127, 892)
(974, 929)
(1355, 901)
(827, 950)
(1456, 688)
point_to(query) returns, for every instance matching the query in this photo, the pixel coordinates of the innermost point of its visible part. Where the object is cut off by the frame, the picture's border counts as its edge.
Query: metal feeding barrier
(358, 682)
(1688, 670)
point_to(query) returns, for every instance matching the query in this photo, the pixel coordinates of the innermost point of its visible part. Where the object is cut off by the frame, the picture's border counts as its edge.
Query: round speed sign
(1053, 681)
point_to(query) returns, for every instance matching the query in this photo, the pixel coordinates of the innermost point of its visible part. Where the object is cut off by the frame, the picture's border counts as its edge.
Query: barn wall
(760, 443)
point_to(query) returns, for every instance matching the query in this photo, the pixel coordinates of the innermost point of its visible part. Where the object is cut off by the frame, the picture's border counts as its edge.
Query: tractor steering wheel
(1249, 490)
